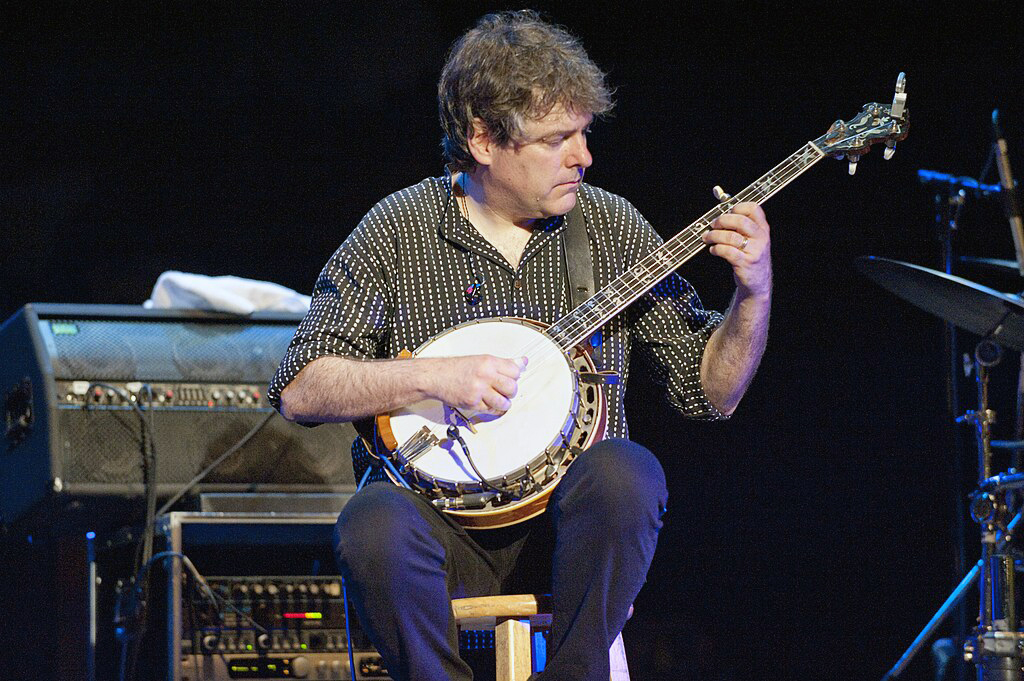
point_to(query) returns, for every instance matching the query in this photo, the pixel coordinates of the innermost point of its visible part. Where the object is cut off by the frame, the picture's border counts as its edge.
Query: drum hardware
(995, 646)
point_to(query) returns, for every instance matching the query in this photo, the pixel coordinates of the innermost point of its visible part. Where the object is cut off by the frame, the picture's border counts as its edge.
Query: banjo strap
(579, 266)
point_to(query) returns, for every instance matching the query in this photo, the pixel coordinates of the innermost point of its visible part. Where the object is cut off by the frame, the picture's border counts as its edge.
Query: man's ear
(480, 143)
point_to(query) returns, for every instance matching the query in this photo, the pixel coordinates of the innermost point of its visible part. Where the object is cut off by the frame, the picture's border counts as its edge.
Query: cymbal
(994, 263)
(982, 311)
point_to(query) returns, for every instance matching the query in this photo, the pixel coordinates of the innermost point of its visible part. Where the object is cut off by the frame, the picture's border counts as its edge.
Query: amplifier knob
(272, 589)
(263, 641)
(300, 667)
(209, 643)
(314, 590)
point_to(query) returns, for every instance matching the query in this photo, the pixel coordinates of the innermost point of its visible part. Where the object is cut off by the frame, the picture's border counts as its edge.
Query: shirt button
(518, 283)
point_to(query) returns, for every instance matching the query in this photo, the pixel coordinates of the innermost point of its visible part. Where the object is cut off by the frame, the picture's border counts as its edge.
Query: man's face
(538, 176)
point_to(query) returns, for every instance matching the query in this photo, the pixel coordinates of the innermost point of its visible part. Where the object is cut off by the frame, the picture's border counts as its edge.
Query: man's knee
(617, 475)
(379, 528)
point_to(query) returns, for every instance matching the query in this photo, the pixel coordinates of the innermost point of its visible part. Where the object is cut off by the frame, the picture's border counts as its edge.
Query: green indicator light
(248, 646)
(303, 646)
(64, 328)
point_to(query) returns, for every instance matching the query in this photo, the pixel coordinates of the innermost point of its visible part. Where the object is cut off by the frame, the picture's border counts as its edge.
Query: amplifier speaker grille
(103, 446)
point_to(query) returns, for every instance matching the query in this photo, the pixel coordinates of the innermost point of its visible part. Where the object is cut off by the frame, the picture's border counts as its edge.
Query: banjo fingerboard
(593, 313)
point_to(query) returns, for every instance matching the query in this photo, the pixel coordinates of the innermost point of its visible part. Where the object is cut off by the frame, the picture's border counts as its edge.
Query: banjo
(491, 471)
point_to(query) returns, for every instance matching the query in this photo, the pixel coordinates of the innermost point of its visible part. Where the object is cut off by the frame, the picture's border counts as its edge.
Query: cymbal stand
(995, 646)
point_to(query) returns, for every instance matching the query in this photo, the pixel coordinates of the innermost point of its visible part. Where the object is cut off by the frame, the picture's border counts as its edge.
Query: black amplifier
(200, 376)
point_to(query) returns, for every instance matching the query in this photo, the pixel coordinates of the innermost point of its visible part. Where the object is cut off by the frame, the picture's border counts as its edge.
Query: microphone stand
(949, 205)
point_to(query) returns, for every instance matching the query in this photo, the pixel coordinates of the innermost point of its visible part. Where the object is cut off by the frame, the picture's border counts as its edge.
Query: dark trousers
(403, 561)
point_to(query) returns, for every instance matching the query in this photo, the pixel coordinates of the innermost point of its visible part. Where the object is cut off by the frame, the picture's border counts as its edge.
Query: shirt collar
(460, 231)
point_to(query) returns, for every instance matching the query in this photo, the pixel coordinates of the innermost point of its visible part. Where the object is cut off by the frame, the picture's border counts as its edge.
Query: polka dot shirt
(401, 277)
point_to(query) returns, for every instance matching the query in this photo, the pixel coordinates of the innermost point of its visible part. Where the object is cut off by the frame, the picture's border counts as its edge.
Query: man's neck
(502, 232)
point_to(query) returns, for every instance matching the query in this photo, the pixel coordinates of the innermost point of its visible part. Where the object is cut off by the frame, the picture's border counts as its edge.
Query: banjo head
(503, 447)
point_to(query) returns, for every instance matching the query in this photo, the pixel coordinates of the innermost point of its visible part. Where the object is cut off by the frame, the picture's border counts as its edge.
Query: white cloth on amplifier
(182, 290)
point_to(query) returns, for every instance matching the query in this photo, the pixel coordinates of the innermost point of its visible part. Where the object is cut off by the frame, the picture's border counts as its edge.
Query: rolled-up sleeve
(350, 313)
(670, 330)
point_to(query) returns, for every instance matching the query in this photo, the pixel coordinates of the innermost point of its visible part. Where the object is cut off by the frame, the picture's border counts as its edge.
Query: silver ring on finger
(743, 246)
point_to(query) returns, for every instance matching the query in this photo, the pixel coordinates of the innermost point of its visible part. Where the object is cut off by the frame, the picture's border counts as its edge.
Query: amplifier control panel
(192, 395)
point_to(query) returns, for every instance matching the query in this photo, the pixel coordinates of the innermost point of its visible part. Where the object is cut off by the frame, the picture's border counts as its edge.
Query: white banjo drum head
(502, 445)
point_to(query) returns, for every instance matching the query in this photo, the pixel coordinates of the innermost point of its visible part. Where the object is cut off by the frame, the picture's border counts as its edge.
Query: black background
(813, 534)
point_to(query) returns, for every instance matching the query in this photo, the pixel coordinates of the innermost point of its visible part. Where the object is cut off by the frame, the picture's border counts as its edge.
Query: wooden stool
(514, 619)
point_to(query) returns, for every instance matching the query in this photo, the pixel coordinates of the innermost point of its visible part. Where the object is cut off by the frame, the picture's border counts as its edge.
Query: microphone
(1009, 191)
(472, 292)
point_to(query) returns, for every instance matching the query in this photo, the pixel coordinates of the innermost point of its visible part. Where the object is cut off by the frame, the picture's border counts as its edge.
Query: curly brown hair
(510, 67)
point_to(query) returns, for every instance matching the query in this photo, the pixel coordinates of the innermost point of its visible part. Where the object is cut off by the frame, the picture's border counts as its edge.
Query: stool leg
(512, 650)
(617, 658)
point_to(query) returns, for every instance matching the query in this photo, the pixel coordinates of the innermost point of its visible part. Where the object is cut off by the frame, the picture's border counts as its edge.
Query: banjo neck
(874, 123)
(596, 311)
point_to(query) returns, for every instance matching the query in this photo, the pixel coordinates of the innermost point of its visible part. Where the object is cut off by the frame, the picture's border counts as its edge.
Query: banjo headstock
(874, 124)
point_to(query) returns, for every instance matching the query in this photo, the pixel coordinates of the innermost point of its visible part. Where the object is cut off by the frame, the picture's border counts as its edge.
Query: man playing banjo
(488, 240)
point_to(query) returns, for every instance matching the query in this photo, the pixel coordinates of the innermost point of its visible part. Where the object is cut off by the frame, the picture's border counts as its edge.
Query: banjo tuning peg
(720, 194)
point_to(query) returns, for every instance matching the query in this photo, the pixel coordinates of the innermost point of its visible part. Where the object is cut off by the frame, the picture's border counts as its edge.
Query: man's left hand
(742, 238)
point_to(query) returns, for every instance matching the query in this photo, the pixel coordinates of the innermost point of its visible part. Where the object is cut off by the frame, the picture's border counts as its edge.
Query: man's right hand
(330, 389)
(483, 383)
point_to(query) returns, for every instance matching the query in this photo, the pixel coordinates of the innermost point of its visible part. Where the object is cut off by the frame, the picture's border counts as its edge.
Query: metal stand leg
(954, 598)
(91, 588)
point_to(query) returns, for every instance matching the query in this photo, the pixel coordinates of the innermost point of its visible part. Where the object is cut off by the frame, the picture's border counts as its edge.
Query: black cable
(128, 654)
(348, 631)
(453, 433)
(988, 164)
(149, 479)
(139, 586)
(137, 609)
(216, 462)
